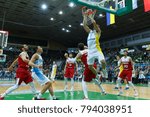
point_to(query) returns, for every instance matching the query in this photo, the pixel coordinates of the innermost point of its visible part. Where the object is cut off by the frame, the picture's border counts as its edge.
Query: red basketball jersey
(21, 63)
(84, 54)
(70, 63)
(127, 65)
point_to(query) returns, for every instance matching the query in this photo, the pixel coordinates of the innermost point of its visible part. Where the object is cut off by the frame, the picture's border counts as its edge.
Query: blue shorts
(40, 77)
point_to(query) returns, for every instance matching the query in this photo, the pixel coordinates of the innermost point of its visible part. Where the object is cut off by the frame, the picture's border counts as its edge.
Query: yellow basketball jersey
(93, 41)
(121, 68)
(54, 69)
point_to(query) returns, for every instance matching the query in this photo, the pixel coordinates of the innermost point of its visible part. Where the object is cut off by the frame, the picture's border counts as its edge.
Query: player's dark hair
(21, 46)
(81, 46)
(118, 55)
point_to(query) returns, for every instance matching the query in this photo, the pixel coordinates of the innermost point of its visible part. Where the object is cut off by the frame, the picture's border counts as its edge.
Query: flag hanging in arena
(147, 5)
(110, 18)
(134, 4)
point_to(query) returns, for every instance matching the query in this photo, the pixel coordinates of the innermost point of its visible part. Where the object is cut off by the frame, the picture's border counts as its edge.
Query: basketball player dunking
(94, 50)
(22, 74)
(88, 74)
(126, 73)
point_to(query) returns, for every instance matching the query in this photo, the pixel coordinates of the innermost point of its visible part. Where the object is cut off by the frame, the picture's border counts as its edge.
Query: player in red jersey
(126, 73)
(22, 73)
(69, 70)
(88, 74)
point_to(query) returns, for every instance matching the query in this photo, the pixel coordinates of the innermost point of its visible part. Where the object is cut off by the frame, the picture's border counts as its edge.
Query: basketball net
(3, 39)
(89, 13)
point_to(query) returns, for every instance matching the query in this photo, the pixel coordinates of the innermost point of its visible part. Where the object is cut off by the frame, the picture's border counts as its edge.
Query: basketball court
(57, 26)
(24, 92)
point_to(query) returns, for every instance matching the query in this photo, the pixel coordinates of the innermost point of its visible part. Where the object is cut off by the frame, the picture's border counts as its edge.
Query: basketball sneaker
(120, 93)
(135, 94)
(1, 98)
(35, 98)
(85, 98)
(116, 88)
(104, 93)
(55, 99)
(126, 88)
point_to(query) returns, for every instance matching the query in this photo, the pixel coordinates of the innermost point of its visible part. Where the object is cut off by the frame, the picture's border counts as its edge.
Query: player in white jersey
(120, 70)
(69, 70)
(126, 73)
(94, 50)
(37, 73)
(54, 70)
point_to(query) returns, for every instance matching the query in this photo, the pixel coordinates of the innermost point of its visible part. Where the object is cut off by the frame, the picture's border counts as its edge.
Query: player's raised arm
(86, 28)
(96, 26)
(66, 55)
(33, 59)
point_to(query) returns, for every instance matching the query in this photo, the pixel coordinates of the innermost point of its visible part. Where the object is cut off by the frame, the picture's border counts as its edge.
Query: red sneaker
(1, 98)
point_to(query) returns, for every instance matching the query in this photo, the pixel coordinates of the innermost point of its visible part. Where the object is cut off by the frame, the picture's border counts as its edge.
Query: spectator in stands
(141, 76)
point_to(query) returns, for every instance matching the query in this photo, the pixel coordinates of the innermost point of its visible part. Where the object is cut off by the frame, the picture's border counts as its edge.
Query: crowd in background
(141, 63)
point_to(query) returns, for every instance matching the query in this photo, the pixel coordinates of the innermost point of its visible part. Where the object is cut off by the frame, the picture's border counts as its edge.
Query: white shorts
(96, 55)
(40, 77)
(141, 76)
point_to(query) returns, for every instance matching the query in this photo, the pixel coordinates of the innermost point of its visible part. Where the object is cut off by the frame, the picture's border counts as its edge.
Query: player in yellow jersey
(94, 49)
(54, 70)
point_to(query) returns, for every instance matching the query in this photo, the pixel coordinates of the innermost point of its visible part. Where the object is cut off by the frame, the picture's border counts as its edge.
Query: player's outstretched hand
(66, 55)
(10, 69)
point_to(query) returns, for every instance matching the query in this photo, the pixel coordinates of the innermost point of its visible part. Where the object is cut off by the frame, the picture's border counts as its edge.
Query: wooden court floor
(144, 92)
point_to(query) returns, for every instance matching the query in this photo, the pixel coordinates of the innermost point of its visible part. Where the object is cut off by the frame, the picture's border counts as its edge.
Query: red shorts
(88, 74)
(69, 73)
(23, 75)
(126, 74)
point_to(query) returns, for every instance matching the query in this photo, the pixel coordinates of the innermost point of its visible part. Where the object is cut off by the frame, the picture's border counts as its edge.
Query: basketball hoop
(89, 13)
(2, 56)
(3, 38)
(120, 7)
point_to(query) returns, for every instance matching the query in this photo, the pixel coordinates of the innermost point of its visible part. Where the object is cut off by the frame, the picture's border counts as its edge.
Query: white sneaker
(104, 93)
(135, 94)
(72, 89)
(66, 88)
(120, 93)
(85, 98)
